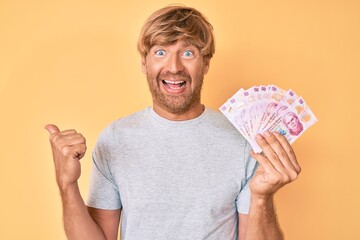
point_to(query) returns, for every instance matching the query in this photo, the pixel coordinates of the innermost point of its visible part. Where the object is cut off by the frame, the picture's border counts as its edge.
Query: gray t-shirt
(173, 179)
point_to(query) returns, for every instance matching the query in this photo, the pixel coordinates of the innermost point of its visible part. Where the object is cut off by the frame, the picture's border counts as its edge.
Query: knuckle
(283, 155)
(261, 141)
(286, 179)
(56, 141)
(66, 151)
(292, 153)
(271, 139)
(53, 137)
(271, 155)
(277, 178)
(80, 136)
(293, 176)
(81, 147)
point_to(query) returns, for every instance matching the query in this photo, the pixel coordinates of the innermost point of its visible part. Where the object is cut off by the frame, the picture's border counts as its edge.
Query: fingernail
(259, 137)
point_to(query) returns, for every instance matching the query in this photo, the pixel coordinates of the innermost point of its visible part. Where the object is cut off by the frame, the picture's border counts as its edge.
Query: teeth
(174, 82)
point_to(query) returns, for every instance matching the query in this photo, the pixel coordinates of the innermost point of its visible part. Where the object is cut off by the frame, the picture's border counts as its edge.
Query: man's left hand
(277, 165)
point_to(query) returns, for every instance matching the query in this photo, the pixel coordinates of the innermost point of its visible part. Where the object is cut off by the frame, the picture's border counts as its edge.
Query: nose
(174, 64)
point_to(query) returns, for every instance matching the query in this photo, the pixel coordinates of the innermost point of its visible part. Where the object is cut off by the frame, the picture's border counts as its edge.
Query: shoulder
(218, 122)
(128, 123)
(216, 116)
(134, 120)
(217, 119)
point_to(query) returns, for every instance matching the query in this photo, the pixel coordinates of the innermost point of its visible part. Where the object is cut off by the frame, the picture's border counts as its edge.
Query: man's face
(291, 122)
(175, 75)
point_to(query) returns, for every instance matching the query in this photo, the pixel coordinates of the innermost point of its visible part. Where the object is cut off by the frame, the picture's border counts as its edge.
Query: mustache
(179, 75)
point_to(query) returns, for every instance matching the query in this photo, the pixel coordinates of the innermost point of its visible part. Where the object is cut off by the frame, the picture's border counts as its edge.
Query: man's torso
(177, 180)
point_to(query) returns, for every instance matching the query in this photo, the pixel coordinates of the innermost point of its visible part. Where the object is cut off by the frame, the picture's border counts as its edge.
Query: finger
(289, 150)
(69, 140)
(79, 151)
(264, 162)
(51, 128)
(74, 151)
(278, 148)
(68, 132)
(266, 143)
(82, 151)
(286, 167)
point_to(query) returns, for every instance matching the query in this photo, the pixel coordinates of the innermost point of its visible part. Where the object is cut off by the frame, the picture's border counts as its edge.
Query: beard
(175, 104)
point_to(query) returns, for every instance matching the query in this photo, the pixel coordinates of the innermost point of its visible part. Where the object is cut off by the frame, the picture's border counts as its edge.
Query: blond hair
(173, 23)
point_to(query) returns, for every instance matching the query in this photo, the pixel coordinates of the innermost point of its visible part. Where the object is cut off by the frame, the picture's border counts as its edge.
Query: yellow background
(74, 63)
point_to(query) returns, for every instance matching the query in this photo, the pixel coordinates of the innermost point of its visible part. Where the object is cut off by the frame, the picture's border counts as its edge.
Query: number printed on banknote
(268, 108)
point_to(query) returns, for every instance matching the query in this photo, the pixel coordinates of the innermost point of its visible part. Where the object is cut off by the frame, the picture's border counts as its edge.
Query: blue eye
(160, 52)
(188, 53)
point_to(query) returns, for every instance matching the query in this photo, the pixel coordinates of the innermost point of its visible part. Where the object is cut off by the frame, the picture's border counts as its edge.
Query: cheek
(152, 67)
(153, 71)
(196, 71)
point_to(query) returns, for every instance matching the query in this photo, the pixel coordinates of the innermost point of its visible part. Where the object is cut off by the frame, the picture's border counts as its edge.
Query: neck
(190, 114)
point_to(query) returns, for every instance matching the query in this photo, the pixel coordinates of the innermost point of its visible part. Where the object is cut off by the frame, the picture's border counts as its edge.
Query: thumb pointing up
(51, 128)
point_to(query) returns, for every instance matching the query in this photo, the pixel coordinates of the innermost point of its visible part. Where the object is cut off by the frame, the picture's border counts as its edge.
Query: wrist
(262, 200)
(67, 190)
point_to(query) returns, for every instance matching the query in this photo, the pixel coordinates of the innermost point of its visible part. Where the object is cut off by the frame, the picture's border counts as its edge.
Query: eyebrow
(183, 45)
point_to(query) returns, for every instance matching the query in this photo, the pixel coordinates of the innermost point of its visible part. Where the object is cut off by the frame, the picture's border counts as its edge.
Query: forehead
(290, 117)
(178, 44)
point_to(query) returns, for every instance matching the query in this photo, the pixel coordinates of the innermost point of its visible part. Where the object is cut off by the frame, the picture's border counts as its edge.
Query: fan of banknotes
(262, 108)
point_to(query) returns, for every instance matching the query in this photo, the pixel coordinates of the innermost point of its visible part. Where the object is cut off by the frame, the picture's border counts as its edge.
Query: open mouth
(174, 85)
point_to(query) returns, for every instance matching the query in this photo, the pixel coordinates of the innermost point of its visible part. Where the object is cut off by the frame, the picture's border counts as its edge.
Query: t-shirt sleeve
(103, 190)
(243, 198)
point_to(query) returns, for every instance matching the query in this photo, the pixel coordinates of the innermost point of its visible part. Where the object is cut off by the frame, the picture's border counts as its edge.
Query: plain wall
(74, 63)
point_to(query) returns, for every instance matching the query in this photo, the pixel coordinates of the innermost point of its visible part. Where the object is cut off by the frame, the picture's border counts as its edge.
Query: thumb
(51, 128)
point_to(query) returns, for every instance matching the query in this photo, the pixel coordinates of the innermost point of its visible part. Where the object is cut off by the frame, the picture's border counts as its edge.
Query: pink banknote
(262, 108)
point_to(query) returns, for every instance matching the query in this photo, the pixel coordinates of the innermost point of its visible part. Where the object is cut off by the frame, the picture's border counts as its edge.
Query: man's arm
(68, 147)
(277, 167)
(260, 223)
(108, 220)
(82, 222)
(242, 225)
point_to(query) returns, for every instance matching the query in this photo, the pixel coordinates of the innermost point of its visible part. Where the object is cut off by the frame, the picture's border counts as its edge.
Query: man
(292, 122)
(177, 170)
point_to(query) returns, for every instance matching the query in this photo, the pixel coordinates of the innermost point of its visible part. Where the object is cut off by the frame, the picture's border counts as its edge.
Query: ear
(206, 65)
(143, 65)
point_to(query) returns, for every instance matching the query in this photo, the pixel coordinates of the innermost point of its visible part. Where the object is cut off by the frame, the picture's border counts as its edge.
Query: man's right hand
(68, 147)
